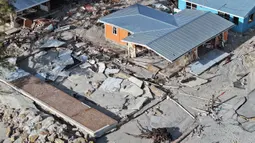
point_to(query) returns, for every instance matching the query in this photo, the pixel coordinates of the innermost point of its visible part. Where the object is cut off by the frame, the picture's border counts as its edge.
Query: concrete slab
(208, 60)
(157, 92)
(248, 109)
(111, 84)
(137, 103)
(113, 101)
(131, 89)
(136, 81)
(173, 118)
(147, 92)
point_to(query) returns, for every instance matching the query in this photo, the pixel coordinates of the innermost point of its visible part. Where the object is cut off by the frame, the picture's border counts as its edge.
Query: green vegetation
(6, 12)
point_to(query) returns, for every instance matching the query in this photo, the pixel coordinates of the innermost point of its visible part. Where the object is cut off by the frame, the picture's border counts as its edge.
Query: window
(227, 16)
(194, 6)
(251, 18)
(236, 20)
(224, 15)
(114, 30)
(221, 14)
(188, 5)
(191, 6)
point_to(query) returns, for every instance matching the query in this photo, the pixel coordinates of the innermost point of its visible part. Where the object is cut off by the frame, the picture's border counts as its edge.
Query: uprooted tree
(7, 12)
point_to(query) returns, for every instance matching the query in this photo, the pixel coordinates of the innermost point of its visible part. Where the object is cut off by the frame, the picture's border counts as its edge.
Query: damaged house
(240, 12)
(181, 38)
(25, 10)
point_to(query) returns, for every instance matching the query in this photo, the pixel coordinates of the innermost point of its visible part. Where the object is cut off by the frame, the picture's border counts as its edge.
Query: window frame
(227, 16)
(251, 18)
(190, 5)
(224, 15)
(236, 20)
(193, 6)
(114, 30)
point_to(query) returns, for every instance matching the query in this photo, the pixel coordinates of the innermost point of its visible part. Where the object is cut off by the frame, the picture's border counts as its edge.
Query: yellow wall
(121, 34)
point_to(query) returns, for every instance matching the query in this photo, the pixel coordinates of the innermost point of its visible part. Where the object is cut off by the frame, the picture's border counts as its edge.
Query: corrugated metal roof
(175, 43)
(138, 18)
(146, 37)
(138, 23)
(21, 5)
(189, 29)
(236, 7)
(187, 16)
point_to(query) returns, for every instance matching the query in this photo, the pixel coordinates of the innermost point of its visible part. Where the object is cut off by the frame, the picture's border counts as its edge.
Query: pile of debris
(32, 125)
(159, 135)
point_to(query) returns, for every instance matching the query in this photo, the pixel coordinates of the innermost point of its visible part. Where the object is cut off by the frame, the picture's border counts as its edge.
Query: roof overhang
(21, 5)
(149, 49)
(100, 21)
(171, 61)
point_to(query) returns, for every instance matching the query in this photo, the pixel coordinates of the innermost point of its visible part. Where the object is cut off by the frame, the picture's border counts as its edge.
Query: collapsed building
(25, 10)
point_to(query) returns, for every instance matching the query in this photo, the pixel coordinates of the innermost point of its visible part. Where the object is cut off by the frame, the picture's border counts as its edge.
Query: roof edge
(100, 21)
(149, 49)
(31, 6)
(216, 9)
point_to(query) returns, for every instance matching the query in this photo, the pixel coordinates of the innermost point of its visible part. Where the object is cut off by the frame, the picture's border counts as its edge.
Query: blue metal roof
(146, 37)
(138, 18)
(189, 29)
(239, 8)
(21, 5)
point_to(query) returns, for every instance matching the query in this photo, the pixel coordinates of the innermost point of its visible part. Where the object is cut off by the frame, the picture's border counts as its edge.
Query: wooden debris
(158, 135)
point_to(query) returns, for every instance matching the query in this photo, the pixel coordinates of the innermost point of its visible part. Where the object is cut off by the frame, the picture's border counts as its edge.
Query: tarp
(21, 5)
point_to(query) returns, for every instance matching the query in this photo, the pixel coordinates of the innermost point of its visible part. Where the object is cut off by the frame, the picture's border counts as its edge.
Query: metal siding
(21, 5)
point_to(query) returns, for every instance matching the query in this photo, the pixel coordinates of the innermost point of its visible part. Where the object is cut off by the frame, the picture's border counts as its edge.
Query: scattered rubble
(71, 51)
(31, 125)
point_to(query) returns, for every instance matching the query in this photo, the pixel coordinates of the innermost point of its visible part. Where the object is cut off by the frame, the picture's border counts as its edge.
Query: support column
(224, 38)
(131, 50)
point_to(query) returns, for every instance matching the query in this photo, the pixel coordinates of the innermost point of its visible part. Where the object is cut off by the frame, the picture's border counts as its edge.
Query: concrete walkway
(63, 105)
